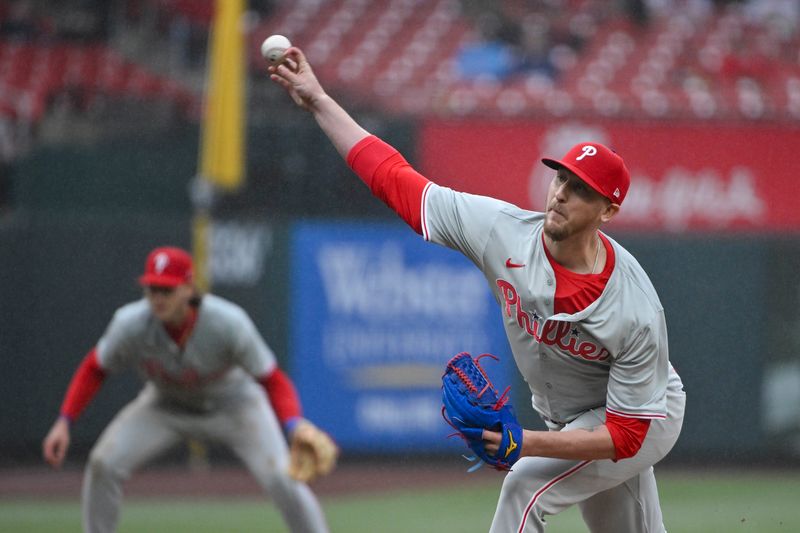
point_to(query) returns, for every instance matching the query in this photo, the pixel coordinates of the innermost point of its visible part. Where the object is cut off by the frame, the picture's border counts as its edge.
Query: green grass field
(699, 502)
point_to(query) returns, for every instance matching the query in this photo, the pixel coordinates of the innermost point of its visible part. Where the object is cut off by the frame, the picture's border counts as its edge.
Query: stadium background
(101, 119)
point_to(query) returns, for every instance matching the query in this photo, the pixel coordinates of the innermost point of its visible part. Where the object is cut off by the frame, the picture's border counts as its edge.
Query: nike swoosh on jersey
(510, 264)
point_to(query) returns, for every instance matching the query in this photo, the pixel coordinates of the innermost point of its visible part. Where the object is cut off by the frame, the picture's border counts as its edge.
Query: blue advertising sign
(376, 313)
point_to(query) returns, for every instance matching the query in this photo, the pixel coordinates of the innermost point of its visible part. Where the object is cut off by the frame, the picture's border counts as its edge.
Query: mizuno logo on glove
(511, 445)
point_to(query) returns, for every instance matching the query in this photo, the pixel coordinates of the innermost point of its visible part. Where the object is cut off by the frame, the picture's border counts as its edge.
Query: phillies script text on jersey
(187, 377)
(553, 332)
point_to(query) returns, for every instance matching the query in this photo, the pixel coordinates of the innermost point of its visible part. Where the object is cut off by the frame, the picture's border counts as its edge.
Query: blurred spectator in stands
(535, 46)
(568, 34)
(487, 55)
(189, 22)
(572, 29)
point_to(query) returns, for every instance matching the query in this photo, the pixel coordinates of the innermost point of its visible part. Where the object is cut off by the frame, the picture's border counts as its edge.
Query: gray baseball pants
(613, 497)
(146, 428)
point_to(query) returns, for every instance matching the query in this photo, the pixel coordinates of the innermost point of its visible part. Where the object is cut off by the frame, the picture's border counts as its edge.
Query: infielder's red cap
(599, 166)
(167, 267)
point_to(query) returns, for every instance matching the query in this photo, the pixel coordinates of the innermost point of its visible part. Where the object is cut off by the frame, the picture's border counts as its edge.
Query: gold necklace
(596, 255)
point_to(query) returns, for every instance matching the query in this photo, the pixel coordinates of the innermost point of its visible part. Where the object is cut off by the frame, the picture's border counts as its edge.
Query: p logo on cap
(599, 166)
(167, 267)
(160, 262)
(587, 150)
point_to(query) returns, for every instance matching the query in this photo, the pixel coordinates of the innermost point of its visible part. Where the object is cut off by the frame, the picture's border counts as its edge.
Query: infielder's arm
(85, 383)
(283, 397)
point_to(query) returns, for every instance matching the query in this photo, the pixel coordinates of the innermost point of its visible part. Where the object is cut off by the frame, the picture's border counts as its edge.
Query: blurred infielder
(209, 375)
(583, 320)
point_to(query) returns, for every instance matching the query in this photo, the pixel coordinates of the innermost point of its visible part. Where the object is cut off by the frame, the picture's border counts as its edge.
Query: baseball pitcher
(210, 376)
(584, 322)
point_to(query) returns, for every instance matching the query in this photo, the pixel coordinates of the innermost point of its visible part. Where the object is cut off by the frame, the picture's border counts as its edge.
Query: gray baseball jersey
(610, 357)
(613, 353)
(222, 350)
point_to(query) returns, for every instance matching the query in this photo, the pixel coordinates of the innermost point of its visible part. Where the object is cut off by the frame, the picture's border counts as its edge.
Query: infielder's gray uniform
(612, 355)
(205, 391)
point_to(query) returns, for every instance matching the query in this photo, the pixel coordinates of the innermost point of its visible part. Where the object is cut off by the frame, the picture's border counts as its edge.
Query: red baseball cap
(167, 266)
(599, 166)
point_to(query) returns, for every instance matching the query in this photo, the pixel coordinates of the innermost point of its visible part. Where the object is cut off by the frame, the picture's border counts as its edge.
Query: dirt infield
(369, 477)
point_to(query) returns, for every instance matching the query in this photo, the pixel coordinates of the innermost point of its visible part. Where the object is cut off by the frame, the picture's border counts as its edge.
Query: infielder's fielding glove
(312, 452)
(471, 403)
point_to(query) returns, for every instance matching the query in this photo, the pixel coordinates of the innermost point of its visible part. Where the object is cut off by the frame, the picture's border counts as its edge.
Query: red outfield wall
(685, 176)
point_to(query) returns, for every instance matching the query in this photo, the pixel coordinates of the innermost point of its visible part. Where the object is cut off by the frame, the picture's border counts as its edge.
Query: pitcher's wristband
(290, 424)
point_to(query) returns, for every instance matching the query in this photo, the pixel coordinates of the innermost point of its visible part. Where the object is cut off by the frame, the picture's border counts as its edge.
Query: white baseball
(274, 47)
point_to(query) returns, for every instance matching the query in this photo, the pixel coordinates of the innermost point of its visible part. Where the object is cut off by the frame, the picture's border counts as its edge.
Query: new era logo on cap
(599, 166)
(167, 267)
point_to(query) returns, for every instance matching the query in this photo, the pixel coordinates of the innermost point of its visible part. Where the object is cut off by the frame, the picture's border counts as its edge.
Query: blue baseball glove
(472, 403)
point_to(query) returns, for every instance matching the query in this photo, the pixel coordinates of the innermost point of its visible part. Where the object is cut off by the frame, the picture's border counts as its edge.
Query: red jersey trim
(424, 213)
(652, 416)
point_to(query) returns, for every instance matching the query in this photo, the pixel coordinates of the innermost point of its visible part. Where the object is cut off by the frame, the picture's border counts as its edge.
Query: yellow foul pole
(221, 160)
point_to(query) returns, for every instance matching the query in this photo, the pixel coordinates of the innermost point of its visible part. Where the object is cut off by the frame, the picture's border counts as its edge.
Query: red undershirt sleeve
(85, 383)
(389, 176)
(626, 433)
(283, 397)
